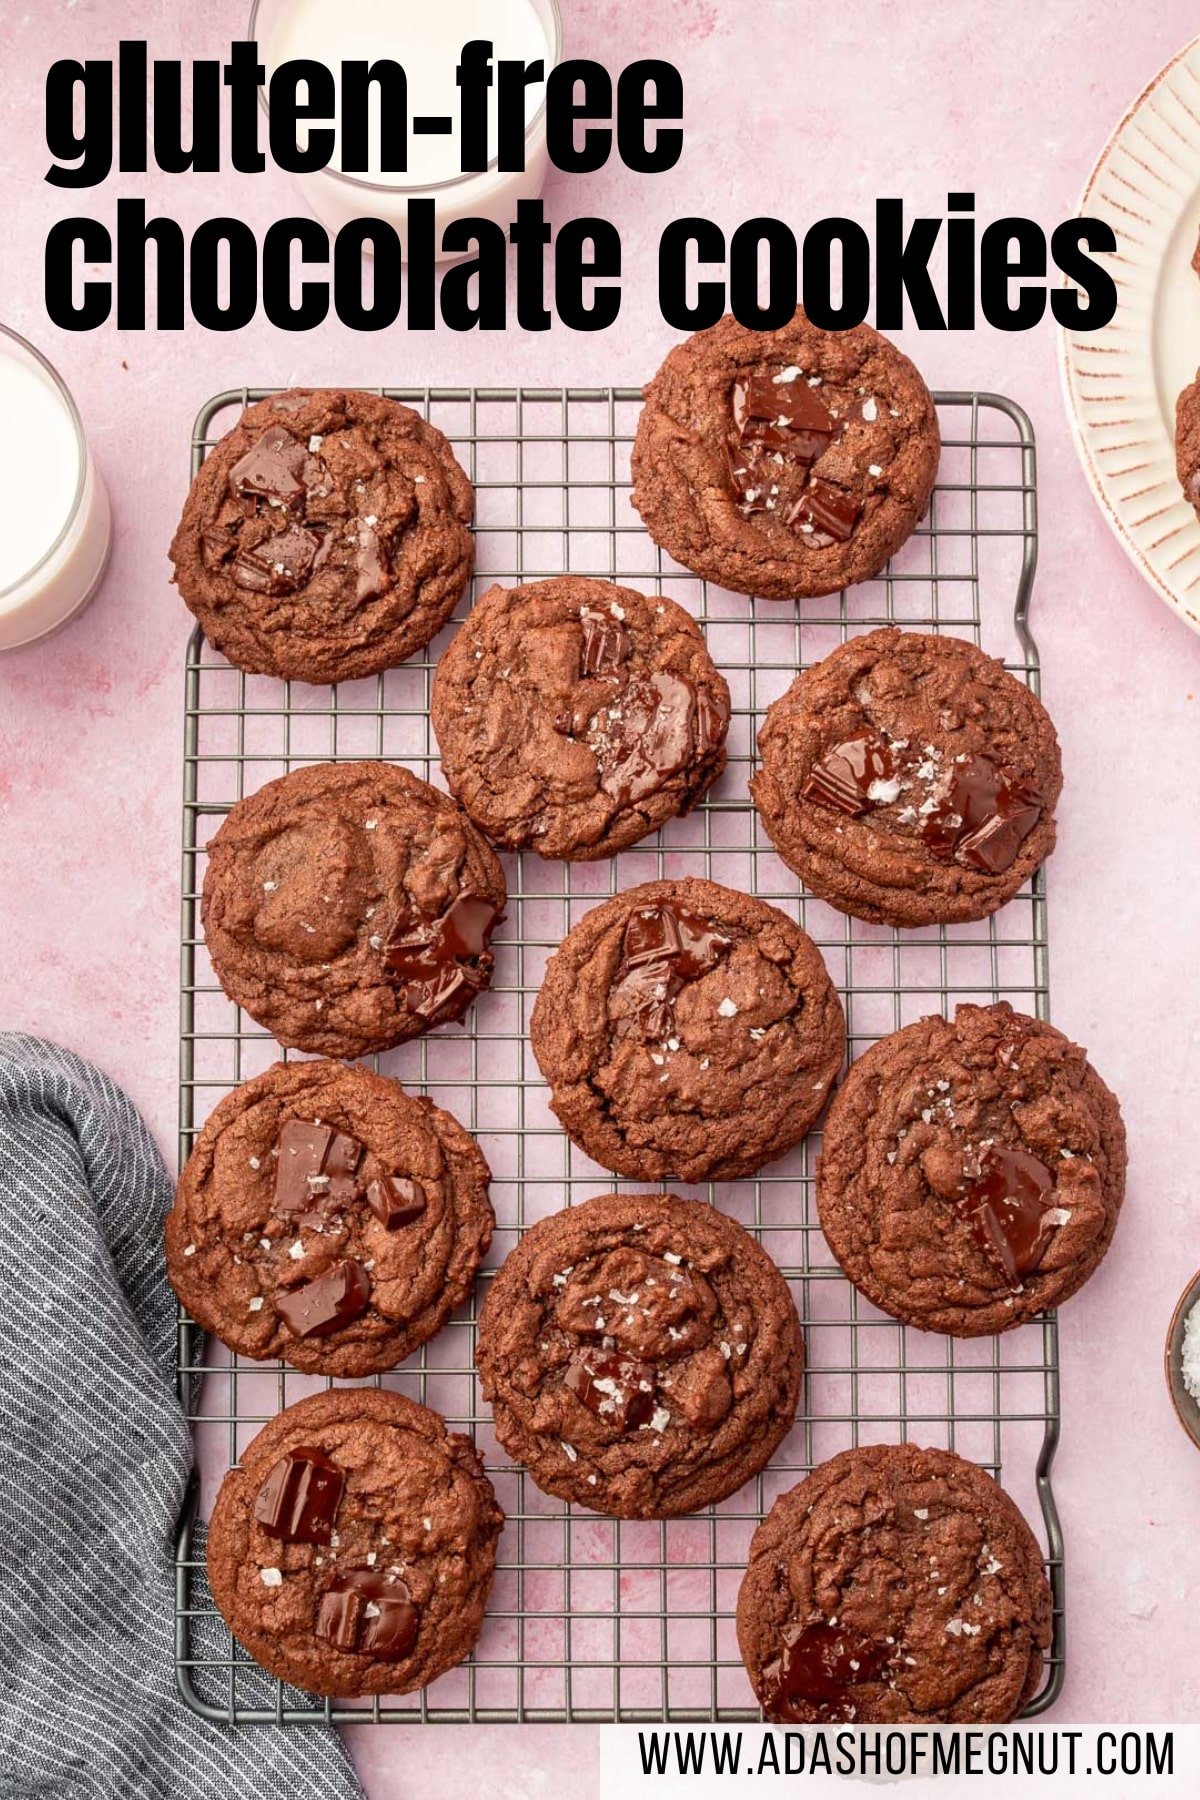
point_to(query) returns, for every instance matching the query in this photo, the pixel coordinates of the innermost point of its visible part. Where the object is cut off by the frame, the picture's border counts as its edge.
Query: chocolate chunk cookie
(348, 906)
(326, 537)
(895, 1585)
(687, 1032)
(574, 717)
(785, 463)
(909, 779)
(971, 1173)
(327, 1217)
(353, 1550)
(642, 1355)
(1187, 442)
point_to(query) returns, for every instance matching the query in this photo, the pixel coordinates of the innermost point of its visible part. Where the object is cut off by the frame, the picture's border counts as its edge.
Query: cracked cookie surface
(349, 906)
(574, 717)
(687, 1032)
(641, 1354)
(971, 1173)
(327, 1217)
(785, 463)
(325, 537)
(353, 1550)
(909, 779)
(894, 1585)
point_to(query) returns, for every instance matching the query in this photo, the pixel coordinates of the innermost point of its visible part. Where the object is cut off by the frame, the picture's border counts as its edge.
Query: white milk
(426, 37)
(54, 514)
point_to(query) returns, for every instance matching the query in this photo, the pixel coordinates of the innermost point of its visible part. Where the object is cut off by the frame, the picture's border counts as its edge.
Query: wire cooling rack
(592, 1618)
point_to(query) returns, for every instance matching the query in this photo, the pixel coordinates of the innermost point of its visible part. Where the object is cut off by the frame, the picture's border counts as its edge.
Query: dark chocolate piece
(845, 775)
(443, 962)
(268, 470)
(1005, 1205)
(663, 949)
(315, 1172)
(619, 1389)
(832, 512)
(648, 736)
(984, 816)
(328, 1302)
(368, 1611)
(787, 416)
(819, 1668)
(300, 1154)
(396, 1200)
(298, 1501)
(605, 644)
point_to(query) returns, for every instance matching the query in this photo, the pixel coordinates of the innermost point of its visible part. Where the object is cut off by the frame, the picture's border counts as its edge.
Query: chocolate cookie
(574, 717)
(785, 463)
(327, 1217)
(895, 1585)
(325, 537)
(1187, 442)
(909, 779)
(642, 1355)
(353, 1550)
(687, 1032)
(348, 906)
(971, 1173)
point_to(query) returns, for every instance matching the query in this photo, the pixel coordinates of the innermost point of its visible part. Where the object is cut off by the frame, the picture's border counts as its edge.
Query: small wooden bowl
(1186, 1406)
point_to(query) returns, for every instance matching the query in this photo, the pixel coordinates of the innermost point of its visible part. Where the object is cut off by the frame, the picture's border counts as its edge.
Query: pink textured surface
(89, 722)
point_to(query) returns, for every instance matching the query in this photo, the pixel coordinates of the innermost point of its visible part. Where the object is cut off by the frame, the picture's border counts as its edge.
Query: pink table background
(796, 110)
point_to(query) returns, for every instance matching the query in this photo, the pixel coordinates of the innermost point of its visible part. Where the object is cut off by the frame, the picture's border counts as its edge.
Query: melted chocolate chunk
(663, 949)
(396, 1200)
(315, 1171)
(648, 736)
(845, 775)
(298, 1501)
(271, 470)
(328, 1302)
(279, 479)
(374, 576)
(782, 429)
(365, 1610)
(280, 564)
(830, 511)
(819, 1669)
(618, 1389)
(787, 416)
(712, 717)
(442, 963)
(984, 816)
(1005, 1205)
(605, 644)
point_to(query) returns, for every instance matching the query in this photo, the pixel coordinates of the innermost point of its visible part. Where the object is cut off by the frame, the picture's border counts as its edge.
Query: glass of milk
(426, 37)
(55, 525)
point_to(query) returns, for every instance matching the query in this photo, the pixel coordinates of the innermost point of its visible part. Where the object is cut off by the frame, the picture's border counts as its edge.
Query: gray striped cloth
(94, 1459)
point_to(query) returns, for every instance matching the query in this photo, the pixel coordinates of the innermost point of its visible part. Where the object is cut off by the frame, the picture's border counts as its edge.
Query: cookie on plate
(909, 779)
(641, 1354)
(894, 1585)
(687, 1032)
(1187, 441)
(348, 906)
(325, 537)
(971, 1174)
(574, 717)
(327, 1217)
(353, 1550)
(785, 463)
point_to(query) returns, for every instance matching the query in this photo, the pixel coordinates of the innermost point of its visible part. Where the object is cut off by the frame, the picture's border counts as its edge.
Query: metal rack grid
(592, 1618)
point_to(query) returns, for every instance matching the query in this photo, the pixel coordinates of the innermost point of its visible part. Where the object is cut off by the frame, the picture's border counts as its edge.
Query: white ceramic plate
(1122, 382)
